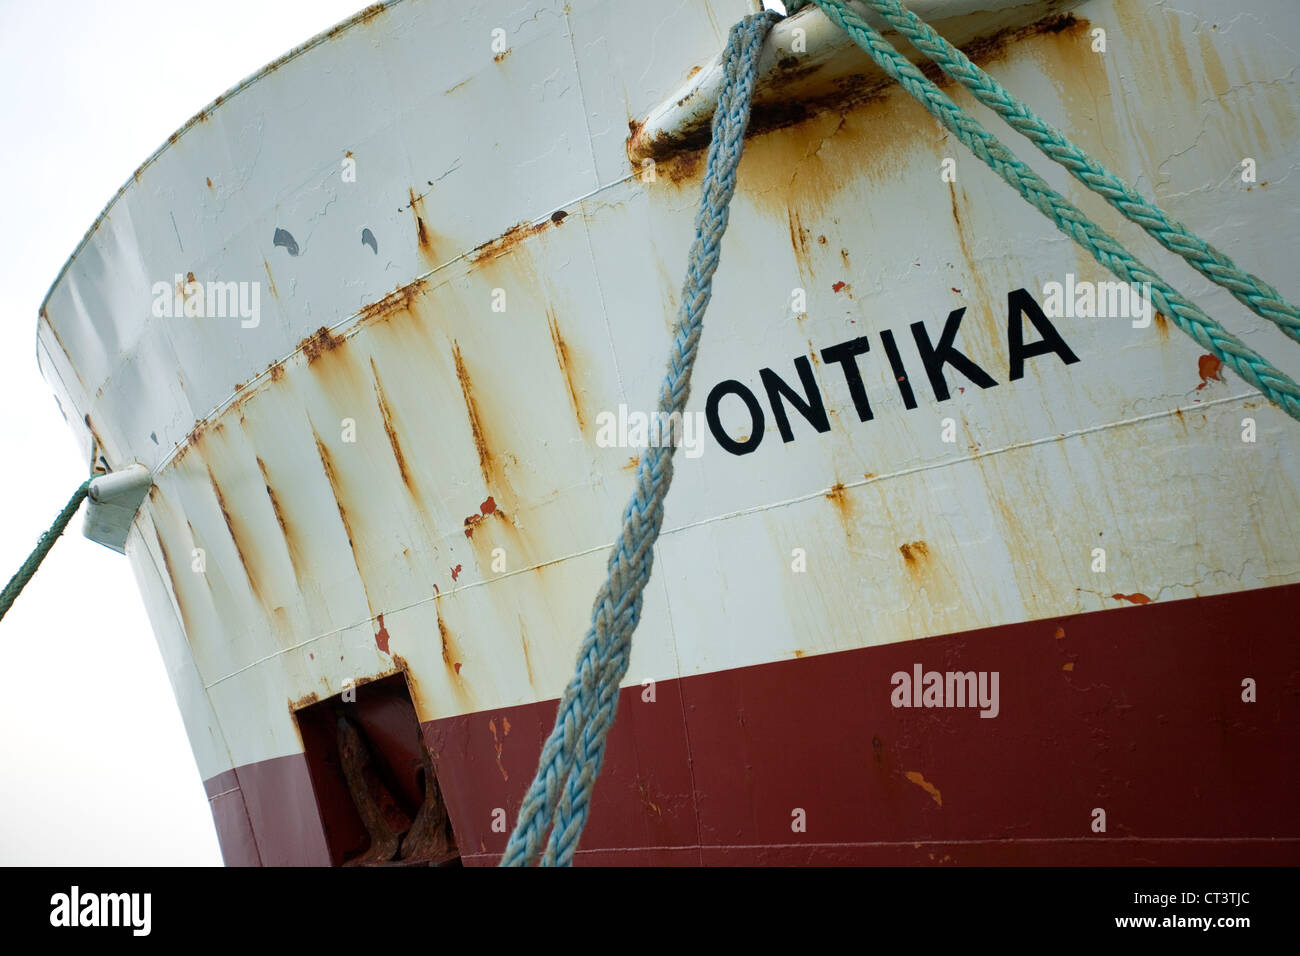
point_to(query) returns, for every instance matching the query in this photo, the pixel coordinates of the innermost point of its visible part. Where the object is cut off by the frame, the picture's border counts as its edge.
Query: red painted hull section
(1137, 711)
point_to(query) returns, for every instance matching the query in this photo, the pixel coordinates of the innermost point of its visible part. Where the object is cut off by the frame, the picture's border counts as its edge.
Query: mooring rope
(43, 546)
(560, 794)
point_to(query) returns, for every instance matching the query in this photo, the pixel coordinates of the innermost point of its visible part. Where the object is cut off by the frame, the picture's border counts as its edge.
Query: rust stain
(1068, 666)
(186, 620)
(1208, 367)
(914, 553)
(528, 661)
(422, 235)
(275, 502)
(331, 475)
(839, 498)
(501, 56)
(302, 702)
(444, 636)
(381, 635)
(319, 343)
(1137, 597)
(496, 743)
(390, 428)
(682, 168)
(270, 282)
(209, 181)
(364, 16)
(1162, 324)
(99, 442)
(916, 778)
(398, 301)
(799, 241)
(1060, 633)
(509, 239)
(240, 548)
(485, 461)
(565, 360)
(772, 111)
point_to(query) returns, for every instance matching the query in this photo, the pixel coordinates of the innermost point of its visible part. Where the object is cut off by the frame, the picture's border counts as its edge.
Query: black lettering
(846, 354)
(731, 386)
(814, 410)
(1021, 302)
(896, 364)
(936, 357)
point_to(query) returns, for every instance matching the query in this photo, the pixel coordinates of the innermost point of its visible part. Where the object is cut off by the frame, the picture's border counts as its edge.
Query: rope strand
(560, 794)
(43, 546)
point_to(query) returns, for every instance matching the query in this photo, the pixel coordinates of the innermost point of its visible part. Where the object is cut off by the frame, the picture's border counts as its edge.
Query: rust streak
(510, 238)
(917, 778)
(234, 535)
(421, 231)
(914, 553)
(397, 301)
(320, 342)
(485, 461)
(390, 428)
(566, 366)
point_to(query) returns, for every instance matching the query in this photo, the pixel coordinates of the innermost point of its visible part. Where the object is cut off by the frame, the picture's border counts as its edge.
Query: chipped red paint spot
(488, 507)
(455, 572)
(312, 656)
(1137, 597)
(457, 666)
(1208, 366)
(381, 636)
(839, 286)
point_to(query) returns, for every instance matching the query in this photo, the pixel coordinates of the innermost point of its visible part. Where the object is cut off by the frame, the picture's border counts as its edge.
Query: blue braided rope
(1253, 292)
(1209, 334)
(560, 795)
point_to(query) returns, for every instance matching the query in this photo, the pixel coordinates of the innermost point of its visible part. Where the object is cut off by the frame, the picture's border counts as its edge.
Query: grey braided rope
(560, 795)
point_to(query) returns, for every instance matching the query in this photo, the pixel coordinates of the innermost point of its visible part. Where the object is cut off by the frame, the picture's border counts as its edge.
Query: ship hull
(711, 771)
(381, 505)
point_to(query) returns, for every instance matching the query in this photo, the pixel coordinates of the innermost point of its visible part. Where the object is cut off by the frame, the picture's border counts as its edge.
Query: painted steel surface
(384, 472)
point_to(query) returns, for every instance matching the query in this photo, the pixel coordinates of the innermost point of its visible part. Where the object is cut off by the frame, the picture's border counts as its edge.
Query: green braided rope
(1209, 334)
(1251, 291)
(19, 580)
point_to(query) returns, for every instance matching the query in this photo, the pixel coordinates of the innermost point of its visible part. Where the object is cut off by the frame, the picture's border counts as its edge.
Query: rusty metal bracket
(809, 64)
(113, 500)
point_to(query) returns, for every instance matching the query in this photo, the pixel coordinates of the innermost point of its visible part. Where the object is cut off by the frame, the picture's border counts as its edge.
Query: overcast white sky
(95, 767)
